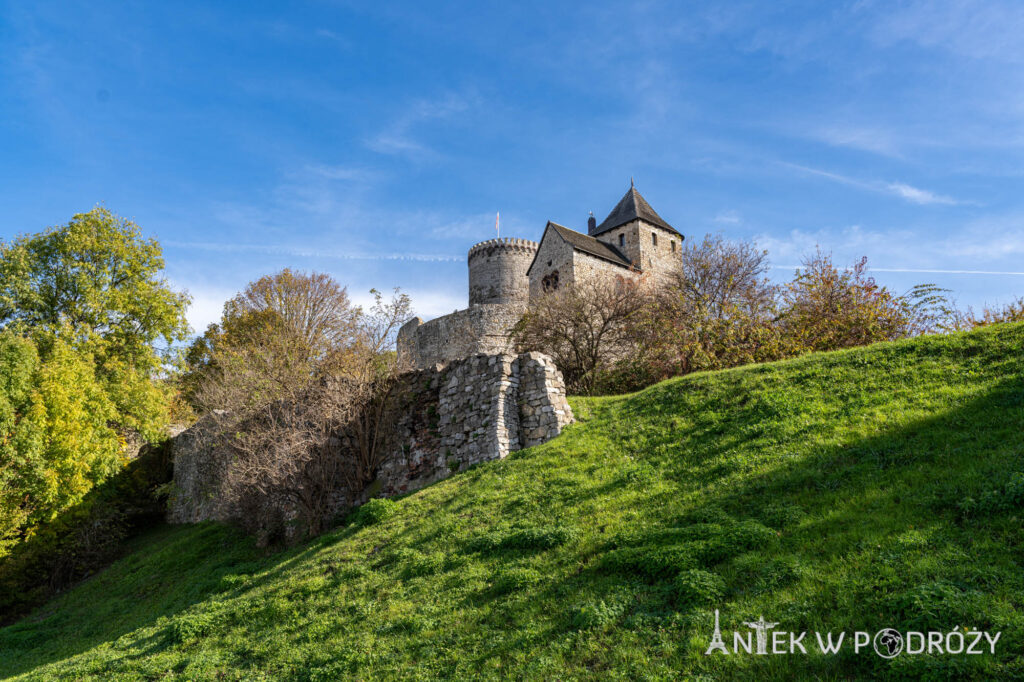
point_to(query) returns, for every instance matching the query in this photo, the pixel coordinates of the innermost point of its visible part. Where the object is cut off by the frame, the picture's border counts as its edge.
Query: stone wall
(443, 419)
(479, 329)
(554, 256)
(474, 410)
(198, 476)
(588, 269)
(659, 260)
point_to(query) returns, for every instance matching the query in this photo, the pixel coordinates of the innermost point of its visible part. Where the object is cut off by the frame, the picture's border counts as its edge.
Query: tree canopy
(83, 307)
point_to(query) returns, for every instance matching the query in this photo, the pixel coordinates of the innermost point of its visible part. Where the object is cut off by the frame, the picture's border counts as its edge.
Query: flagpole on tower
(496, 228)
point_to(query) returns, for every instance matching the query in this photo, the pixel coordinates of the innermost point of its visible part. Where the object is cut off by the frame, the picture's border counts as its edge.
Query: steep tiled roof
(629, 208)
(591, 246)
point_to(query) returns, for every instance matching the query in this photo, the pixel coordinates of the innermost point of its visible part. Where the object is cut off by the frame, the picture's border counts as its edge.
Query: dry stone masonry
(445, 419)
(486, 407)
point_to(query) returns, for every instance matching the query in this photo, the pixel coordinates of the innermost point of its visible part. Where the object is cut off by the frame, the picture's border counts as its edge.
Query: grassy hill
(879, 487)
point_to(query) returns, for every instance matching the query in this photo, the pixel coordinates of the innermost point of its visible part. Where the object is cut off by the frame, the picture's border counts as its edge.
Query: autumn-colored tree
(295, 319)
(586, 327)
(718, 311)
(278, 399)
(825, 308)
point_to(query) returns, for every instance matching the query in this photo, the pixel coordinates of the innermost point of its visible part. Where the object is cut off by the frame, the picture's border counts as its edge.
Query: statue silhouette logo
(761, 627)
(888, 643)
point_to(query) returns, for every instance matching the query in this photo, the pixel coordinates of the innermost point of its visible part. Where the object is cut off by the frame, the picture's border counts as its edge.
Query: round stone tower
(497, 271)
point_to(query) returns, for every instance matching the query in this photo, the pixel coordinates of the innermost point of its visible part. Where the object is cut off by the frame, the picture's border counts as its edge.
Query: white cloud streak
(301, 252)
(902, 190)
(919, 270)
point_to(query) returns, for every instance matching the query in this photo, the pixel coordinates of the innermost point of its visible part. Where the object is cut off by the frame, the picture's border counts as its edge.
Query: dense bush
(719, 311)
(524, 539)
(374, 511)
(695, 587)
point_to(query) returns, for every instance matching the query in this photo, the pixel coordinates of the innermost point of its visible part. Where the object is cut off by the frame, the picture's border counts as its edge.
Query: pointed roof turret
(629, 208)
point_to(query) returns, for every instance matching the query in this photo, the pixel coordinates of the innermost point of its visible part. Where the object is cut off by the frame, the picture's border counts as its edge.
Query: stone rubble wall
(198, 476)
(481, 329)
(443, 419)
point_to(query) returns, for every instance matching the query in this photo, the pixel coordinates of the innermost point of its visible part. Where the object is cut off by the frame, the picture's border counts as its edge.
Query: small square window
(622, 240)
(654, 238)
(549, 264)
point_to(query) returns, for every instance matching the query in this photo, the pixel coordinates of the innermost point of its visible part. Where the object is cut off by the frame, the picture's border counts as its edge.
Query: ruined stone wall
(474, 410)
(442, 420)
(479, 329)
(199, 469)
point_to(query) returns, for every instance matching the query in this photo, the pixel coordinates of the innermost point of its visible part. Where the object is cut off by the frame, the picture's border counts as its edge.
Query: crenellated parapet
(506, 244)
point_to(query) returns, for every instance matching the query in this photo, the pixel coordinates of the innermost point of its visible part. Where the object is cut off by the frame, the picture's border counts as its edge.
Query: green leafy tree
(96, 285)
(55, 440)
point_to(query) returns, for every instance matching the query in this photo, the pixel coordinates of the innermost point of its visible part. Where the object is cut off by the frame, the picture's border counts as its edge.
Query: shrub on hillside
(656, 562)
(596, 615)
(695, 587)
(524, 539)
(374, 511)
(514, 578)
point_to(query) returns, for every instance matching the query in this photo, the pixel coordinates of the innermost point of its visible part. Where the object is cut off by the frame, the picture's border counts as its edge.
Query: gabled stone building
(505, 274)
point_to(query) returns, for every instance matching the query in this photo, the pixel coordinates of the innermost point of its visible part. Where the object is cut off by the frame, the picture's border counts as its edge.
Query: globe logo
(888, 643)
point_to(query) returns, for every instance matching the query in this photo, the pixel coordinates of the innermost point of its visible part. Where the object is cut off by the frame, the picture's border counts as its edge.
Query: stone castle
(506, 274)
(470, 398)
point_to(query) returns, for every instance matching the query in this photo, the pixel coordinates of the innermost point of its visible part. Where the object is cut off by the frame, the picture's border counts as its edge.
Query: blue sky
(376, 141)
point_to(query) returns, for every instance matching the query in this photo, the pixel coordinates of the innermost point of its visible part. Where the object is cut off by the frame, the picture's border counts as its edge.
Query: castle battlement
(510, 244)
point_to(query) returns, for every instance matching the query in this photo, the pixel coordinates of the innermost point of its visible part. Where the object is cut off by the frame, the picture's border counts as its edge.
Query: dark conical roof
(629, 208)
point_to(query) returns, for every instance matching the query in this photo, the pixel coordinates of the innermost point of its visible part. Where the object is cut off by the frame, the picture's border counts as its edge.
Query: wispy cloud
(728, 218)
(978, 29)
(919, 196)
(399, 136)
(902, 190)
(865, 138)
(919, 270)
(991, 245)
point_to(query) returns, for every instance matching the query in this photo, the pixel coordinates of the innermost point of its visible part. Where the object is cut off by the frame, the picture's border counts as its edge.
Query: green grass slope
(843, 491)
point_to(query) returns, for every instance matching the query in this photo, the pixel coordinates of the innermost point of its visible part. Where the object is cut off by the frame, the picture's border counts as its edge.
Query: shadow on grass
(859, 495)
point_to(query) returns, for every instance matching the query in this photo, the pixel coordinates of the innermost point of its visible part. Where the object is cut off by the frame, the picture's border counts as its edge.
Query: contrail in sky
(309, 253)
(933, 272)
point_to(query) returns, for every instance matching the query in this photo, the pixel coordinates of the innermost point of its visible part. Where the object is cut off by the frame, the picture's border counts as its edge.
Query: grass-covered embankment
(878, 487)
